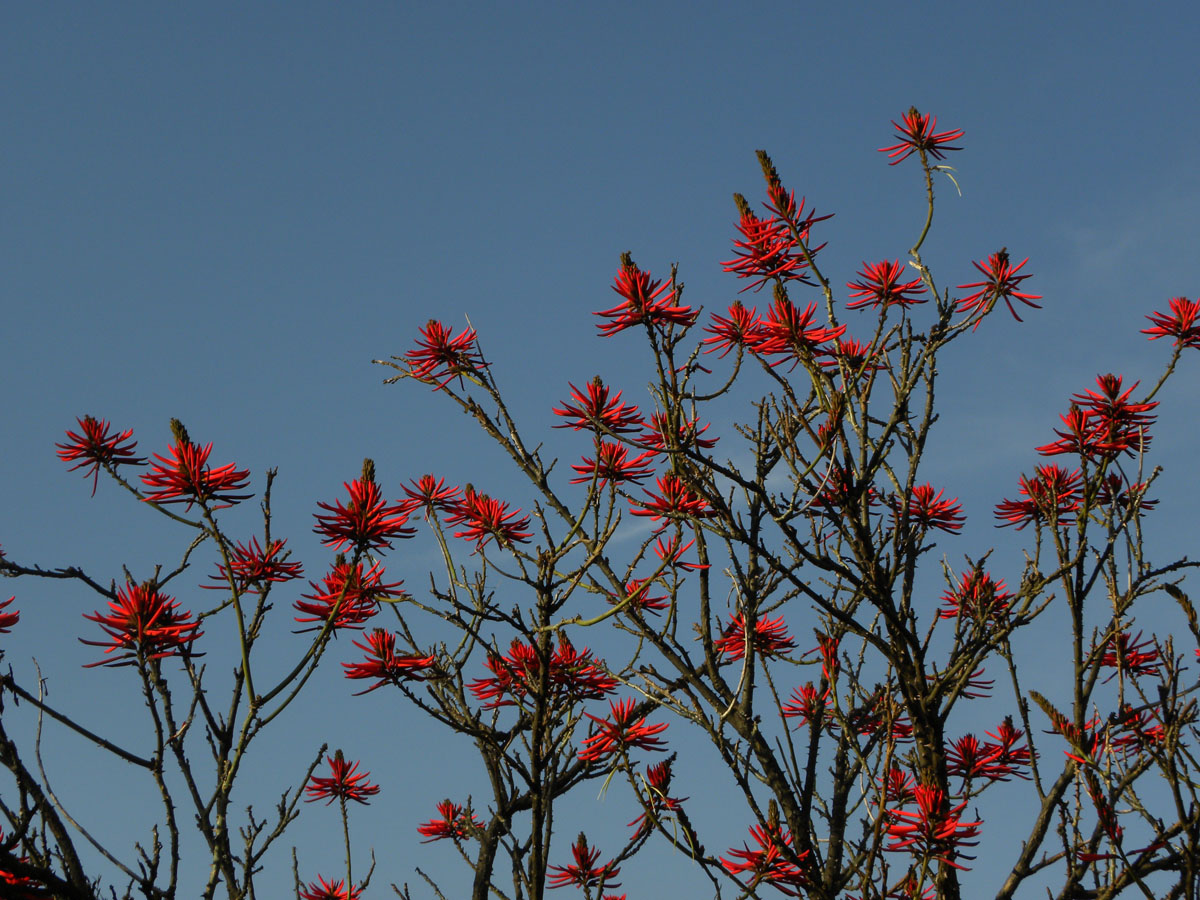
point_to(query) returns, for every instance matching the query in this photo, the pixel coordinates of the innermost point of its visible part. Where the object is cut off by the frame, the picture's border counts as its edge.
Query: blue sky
(224, 212)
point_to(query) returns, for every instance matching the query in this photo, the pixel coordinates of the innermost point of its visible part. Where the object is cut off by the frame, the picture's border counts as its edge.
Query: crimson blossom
(621, 731)
(8, 619)
(186, 477)
(929, 510)
(880, 286)
(918, 135)
(143, 623)
(644, 302)
(344, 783)
(770, 638)
(786, 332)
(1181, 324)
(349, 595)
(455, 823)
(95, 446)
(584, 873)
(487, 518)
(769, 863)
(573, 674)
(329, 890)
(440, 357)
(366, 522)
(934, 830)
(977, 597)
(739, 330)
(385, 665)
(251, 568)
(674, 501)
(431, 493)
(657, 802)
(1053, 497)
(612, 465)
(596, 410)
(770, 248)
(1000, 282)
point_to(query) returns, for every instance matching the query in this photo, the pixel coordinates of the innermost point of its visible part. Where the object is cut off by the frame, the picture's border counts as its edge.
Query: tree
(693, 563)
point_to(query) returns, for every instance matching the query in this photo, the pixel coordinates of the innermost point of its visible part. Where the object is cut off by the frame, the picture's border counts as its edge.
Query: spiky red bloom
(8, 619)
(143, 624)
(968, 758)
(1005, 748)
(1116, 492)
(977, 597)
(252, 568)
(486, 518)
(769, 248)
(929, 510)
(440, 357)
(612, 464)
(770, 638)
(1000, 283)
(1182, 323)
(934, 831)
(918, 134)
(806, 704)
(1130, 655)
(1053, 496)
(456, 823)
(855, 355)
(687, 436)
(739, 330)
(584, 873)
(573, 675)
(1103, 424)
(658, 783)
(95, 446)
(880, 285)
(365, 523)
(329, 890)
(345, 782)
(673, 549)
(599, 412)
(353, 593)
(769, 863)
(788, 332)
(639, 591)
(674, 501)
(898, 787)
(385, 665)
(186, 477)
(644, 302)
(430, 492)
(621, 730)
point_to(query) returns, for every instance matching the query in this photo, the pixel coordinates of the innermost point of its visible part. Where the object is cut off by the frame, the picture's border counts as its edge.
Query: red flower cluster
(95, 446)
(1130, 655)
(8, 619)
(789, 333)
(432, 494)
(1104, 424)
(456, 823)
(881, 286)
(440, 357)
(486, 518)
(584, 873)
(657, 436)
(674, 501)
(385, 665)
(769, 864)
(739, 330)
(770, 638)
(967, 758)
(252, 568)
(573, 674)
(771, 248)
(658, 783)
(1053, 497)
(934, 830)
(1000, 283)
(977, 597)
(672, 551)
(643, 303)
(349, 596)
(611, 464)
(599, 412)
(143, 624)
(806, 704)
(918, 135)
(186, 477)
(928, 510)
(642, 599)
(621, 731)
(329, 890)
(1183, 323)
(365, 523)
(344, 783)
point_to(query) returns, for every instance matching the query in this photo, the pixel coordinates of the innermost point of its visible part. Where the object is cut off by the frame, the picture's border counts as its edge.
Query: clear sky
(224, 212)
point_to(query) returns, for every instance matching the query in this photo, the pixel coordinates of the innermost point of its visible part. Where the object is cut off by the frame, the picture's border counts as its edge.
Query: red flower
(456, 823)
(365, 523)
(1116, 492)
(768, 864)
(673, 549)
(687, 436)
(612, 465)
(770, 638)
(9, 619)
(658, 783)
(934, 831)
(786, 332)
(643, 302)
(856, 356)
(253, 568)
(345, 783)
(1181, 324)
(827, 647)
(598, 412)
(1053, 497)
(967, 758)
(675, 501)
(769, 248)
(739, 330)
(621, 731)
(350, 596)
(1105, 424)
(385, 665)
(584, 873)
(1001, 282)
(977, 597)
(881, 286)
(898, 787)
(1131, 655)
(143, 624)
(639, 590)
(574, 675)
(487, 518)
(806, 704)
(187, 478)
(929, 510)
(439, 357)
(1005, 750)
(431, 494)
(329, 890)
(917, 135)
(96, 446)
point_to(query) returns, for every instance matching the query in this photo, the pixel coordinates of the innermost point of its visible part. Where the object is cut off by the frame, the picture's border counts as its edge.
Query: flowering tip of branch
(1182, 323)
(95, 446)
(918, 135)
(344, 782)
(1000, 283)
(186, 477)
(365, 522)
(143, 624)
